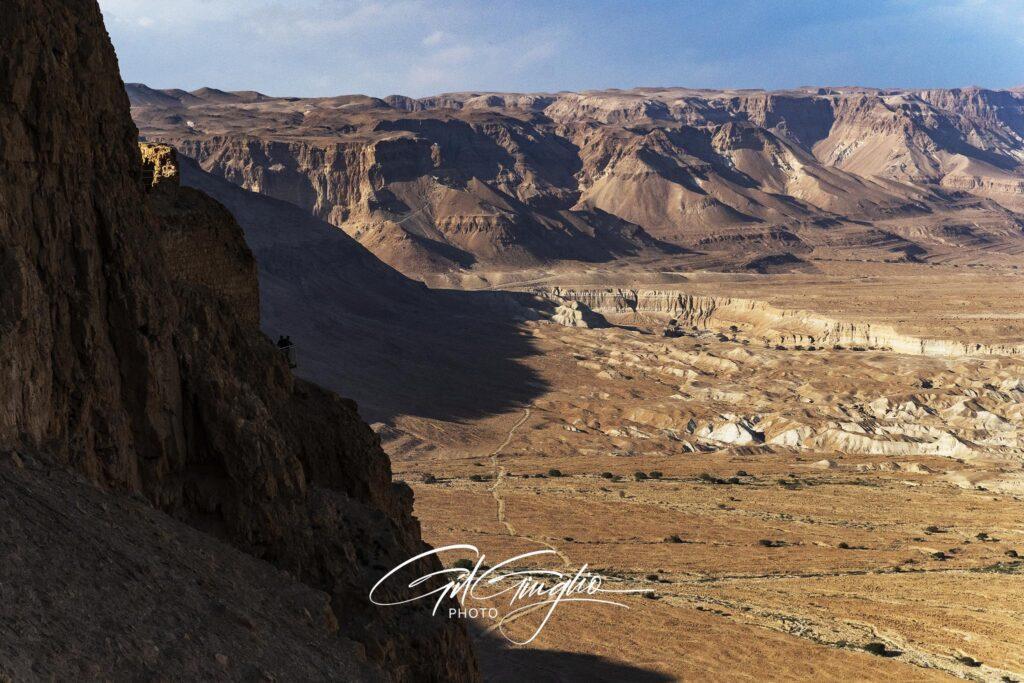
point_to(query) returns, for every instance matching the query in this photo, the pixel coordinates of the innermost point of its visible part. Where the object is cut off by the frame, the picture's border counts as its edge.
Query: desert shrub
(674, 538)
(554, 472)
(477, 477)
(708, 477)
(844, 545)
(464, 564)
(655, 474)
(429, 479)
(640, 476)
(742, 473)
(770, 543)
(607, 475)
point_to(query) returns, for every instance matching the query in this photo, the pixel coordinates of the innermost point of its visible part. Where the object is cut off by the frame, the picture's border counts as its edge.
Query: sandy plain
(785, 512)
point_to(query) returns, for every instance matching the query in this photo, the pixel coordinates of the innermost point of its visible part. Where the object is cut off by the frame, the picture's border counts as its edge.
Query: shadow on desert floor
(501, 662)
(456, 358)
(367, 332)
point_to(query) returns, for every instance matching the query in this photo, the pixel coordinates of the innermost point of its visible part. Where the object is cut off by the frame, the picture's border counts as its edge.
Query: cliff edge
(151, 380)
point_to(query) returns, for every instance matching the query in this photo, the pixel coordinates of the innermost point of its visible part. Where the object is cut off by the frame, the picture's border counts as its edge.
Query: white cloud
(435, 38)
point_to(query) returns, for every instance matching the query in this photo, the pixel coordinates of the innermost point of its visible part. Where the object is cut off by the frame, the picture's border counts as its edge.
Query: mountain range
(499, 181)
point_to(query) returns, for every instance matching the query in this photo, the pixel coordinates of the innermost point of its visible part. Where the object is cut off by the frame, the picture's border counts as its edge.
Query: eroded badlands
(786, 502)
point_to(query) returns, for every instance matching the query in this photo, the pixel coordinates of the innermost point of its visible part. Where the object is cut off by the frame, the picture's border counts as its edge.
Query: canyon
(755, 358)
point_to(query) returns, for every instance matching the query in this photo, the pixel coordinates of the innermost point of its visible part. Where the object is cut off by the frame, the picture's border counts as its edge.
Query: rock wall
(761, 321)
(127, 370)
(200, 239)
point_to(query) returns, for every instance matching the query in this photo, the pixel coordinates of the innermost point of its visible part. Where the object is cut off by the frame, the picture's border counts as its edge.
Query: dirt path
(499, 478)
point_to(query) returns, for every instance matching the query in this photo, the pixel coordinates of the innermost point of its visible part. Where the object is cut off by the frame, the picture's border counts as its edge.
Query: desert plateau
(749, 360)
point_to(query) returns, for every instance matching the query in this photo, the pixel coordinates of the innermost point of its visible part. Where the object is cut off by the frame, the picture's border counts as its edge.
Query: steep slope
(366, 331)
(509, 180)
(423, 194)
(148, 378)
(103, 557)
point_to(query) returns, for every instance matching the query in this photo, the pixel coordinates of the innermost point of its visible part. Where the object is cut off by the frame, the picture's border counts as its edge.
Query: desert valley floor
(757, 357)
(787, 506)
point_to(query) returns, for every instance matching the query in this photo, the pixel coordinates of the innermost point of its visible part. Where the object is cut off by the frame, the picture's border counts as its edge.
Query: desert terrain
(757, 358)
(810, 509)
(750, 362)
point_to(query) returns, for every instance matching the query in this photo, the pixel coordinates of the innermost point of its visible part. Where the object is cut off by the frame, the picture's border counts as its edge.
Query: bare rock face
(504, 180)
(139, 366)
(199, 238)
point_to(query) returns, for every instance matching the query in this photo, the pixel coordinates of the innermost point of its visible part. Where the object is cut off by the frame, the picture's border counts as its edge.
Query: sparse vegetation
(640, 476)
(554, 472)
(429, 479)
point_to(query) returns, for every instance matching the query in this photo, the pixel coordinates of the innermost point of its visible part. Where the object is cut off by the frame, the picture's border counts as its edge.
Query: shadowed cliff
(367, 331)
(140, 368)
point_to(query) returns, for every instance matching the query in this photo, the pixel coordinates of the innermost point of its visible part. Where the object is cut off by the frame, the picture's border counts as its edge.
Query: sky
(308, 48)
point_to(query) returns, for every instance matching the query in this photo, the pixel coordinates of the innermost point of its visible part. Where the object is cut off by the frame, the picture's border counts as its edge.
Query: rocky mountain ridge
(505, 180)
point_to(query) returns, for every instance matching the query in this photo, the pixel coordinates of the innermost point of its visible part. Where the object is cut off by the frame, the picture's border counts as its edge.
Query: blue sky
(421, 47)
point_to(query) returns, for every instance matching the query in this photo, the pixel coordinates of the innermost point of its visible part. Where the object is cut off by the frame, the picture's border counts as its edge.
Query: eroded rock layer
(764, 323)
(505, 180)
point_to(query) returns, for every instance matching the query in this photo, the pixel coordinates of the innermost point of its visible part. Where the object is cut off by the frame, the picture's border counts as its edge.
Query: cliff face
(427, 195)
(760, 321)
(139, 365)
(509, 180)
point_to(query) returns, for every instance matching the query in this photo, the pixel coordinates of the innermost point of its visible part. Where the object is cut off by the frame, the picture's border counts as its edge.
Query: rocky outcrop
(199, 238)
(146, 375)
(759, 320)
